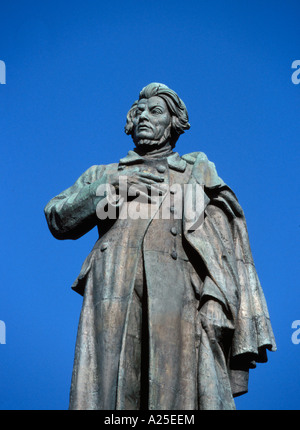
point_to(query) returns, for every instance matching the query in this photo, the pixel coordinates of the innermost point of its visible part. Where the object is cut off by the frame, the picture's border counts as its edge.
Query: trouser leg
(136, 350)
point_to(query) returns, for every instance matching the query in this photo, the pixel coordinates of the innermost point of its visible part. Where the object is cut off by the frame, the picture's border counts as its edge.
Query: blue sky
(73, 70)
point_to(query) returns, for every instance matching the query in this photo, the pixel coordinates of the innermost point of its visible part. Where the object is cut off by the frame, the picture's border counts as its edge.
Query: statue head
(157, 117)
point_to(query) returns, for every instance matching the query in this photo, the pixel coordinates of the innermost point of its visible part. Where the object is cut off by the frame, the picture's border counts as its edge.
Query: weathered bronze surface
(173, 314)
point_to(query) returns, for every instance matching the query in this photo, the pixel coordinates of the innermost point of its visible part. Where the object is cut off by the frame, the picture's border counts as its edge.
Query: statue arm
(72, 213)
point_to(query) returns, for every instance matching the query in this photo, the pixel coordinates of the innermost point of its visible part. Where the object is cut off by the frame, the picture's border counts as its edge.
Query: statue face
(152, 121)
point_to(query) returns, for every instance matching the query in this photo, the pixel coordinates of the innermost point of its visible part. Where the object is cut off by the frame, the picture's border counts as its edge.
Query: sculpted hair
(178, 111)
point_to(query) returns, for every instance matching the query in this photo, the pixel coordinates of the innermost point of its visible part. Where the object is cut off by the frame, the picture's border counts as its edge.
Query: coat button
(160, 168)
(174, 231)
(104, 246)
(174, 255)
(172, 209)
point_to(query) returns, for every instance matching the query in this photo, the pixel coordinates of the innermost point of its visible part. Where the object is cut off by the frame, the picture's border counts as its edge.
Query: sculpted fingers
(151, 176)
(155, 183)
(142, 185)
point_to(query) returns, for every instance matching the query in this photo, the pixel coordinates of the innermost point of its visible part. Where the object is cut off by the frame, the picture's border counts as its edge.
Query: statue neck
(157, 151)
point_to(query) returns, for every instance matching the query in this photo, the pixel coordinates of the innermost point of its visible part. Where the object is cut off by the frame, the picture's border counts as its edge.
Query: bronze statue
(173, 314)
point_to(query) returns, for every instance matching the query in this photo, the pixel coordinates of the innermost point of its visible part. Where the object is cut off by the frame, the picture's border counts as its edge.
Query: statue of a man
(173, 315)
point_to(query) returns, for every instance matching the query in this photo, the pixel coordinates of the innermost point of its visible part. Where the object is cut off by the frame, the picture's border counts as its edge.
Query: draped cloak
(208, 321)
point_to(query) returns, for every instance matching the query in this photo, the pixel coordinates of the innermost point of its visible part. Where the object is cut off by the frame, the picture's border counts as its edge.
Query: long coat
(204, 337)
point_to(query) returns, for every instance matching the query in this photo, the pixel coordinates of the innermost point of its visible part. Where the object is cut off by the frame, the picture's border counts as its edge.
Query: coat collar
(174, 160)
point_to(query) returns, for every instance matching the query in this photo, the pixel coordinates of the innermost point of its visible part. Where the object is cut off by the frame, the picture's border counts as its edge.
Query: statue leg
(136, 364)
